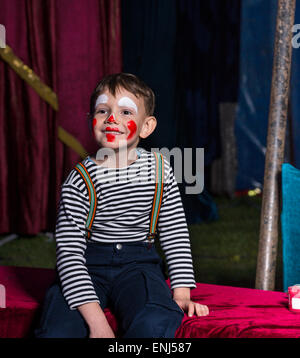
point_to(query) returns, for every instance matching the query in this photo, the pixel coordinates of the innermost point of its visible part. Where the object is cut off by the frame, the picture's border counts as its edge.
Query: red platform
(234, 312)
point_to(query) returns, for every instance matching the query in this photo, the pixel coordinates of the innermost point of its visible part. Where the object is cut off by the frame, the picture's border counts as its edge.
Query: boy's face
(121, 119)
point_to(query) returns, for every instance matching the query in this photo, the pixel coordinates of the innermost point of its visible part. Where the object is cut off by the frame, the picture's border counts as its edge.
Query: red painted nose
(111, 118)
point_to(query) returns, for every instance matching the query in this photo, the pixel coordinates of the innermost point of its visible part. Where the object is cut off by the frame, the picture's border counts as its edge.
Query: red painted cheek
(131, 125)
(94, 124)
(110, 137)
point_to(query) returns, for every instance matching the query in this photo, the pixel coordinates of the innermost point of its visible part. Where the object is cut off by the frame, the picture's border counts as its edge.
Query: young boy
(116, 265)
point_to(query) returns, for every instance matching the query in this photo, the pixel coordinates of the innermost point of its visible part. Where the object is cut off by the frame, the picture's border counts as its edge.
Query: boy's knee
(54, 331)
(155, 321)
(61, 328)
(57, 320)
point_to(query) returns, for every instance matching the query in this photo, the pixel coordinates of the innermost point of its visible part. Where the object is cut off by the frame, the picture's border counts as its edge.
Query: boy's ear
(148, 126)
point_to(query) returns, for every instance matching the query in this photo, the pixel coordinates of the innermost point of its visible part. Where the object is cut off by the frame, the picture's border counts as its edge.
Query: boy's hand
(101, 331)
(96, 320)
(192, 307)
(182, 297)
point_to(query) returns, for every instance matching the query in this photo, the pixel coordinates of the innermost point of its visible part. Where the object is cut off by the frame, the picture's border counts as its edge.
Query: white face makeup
(101, 99)
(127, 102)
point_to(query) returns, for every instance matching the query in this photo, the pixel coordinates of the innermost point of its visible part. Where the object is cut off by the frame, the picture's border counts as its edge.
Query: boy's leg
(58, 320)
(144, 305)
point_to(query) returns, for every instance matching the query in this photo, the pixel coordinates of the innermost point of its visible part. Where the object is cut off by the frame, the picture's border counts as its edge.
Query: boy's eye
(101, 111)
(126, 112)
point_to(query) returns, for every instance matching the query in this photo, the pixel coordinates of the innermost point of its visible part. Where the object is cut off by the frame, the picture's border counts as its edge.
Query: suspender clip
(151, 236)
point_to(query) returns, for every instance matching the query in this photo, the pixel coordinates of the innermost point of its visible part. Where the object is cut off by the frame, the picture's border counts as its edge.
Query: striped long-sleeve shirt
(125, 198)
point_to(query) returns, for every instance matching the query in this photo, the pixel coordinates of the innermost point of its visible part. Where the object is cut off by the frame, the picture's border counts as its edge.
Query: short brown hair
(129, 82)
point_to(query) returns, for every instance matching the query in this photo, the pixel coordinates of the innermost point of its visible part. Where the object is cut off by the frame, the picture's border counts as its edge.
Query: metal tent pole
(268, 238)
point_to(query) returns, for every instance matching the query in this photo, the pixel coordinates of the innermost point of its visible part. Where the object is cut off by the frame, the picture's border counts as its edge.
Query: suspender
(92, 198)
(159, 186)
(158, 194)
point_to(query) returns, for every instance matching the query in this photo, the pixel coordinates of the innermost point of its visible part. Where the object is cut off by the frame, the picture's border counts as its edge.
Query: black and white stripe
(125, 197)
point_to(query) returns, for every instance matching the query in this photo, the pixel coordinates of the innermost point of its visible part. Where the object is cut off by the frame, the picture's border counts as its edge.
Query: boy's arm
(175, 242)
(77, 285)
(96, 320)
(174, 235)
(76, 282)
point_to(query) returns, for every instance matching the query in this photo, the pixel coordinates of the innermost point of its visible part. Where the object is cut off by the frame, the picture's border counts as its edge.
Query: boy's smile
(120, 117)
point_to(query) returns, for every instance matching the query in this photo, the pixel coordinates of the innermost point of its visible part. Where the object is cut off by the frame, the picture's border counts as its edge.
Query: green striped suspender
(159, 175)
(92, 198)
(158, 194)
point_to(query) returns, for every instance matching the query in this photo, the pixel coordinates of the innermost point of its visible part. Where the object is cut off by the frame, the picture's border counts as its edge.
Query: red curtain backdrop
(70, 45)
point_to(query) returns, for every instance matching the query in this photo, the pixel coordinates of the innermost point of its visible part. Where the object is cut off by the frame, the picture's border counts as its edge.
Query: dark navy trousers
(129, 280)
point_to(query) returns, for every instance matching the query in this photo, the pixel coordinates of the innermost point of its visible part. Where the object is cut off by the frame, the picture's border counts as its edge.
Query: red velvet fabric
(241, 313)
(70, 46)
(234, 312)
(25, 289)
(27, 123)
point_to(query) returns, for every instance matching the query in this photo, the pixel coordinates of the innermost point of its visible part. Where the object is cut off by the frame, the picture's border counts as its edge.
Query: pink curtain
(70, 46)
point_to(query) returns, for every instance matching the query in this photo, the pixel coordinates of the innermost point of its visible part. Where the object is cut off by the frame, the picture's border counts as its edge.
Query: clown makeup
(127, 102)
(127, 112)
(101, 99)
(131, 125)
(94, 122)
(93, 125)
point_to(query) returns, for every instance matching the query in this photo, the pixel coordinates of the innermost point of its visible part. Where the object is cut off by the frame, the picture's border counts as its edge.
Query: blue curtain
(207, 70)
(258, 25)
